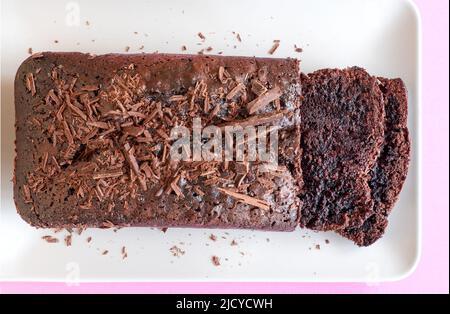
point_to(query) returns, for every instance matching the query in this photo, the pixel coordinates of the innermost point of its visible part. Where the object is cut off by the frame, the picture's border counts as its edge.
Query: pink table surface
(432, 273)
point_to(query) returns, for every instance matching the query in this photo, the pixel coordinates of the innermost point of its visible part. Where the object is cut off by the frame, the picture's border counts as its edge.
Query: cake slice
(342, 130)
(93, 141)
(389, 173)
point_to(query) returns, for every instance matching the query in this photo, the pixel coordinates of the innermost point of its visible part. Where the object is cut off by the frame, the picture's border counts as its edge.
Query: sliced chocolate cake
(342, 130)
(389, 173)
(93, 137)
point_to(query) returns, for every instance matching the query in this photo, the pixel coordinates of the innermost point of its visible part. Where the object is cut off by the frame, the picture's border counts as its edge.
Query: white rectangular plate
(382, 36)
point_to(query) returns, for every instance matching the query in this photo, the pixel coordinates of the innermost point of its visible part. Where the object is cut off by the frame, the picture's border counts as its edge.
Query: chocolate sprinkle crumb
(276, 44)
(215, 260)
(50, 239)
(213, 237)
(202, 37)
(68, 240)
(105, 252)
(176, 251)
(124, 252)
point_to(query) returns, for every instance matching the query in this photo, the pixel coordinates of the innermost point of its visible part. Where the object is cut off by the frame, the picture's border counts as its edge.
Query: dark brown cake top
(106, 123)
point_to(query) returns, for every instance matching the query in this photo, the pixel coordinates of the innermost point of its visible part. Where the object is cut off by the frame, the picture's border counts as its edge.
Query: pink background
(432, 273)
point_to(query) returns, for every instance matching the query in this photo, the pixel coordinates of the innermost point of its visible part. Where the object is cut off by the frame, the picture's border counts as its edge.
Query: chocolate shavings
(264, 99)
(246, 199)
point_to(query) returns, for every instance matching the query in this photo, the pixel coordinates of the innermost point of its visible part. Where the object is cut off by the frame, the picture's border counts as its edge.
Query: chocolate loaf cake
(389, 172)
(342, 132)
(93, 138)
